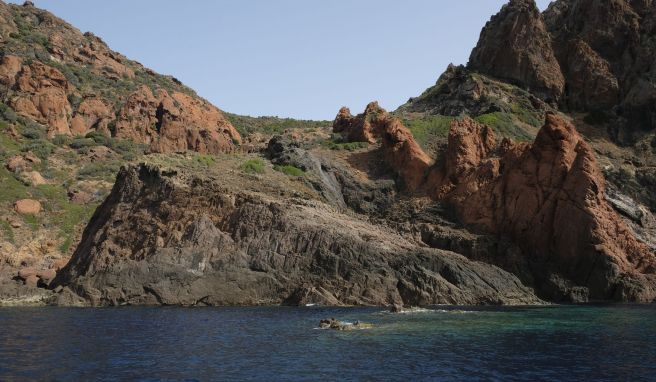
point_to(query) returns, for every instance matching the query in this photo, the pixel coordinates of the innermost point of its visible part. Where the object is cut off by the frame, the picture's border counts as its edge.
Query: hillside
(525, 176)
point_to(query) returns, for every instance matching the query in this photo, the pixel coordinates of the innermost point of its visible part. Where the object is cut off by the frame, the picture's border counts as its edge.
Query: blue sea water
(556, 343)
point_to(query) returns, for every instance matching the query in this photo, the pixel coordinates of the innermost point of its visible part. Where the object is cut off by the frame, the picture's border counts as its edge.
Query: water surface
(561, 343)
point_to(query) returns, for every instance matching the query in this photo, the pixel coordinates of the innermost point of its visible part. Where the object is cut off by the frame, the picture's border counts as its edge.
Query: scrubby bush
(289, 170)
(99, 170)
(42, 148)
(80, 143)
(61, 140)
(206, 160)
(349, 146)
(253, 166)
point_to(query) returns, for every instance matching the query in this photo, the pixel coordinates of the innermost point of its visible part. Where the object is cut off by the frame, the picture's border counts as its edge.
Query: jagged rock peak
(402, 153)
(548, 197)
(515, 46)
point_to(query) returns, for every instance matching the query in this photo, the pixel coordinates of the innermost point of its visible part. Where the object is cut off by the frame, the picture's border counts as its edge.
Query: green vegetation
(504, 124)
(271, 125)
(349, 146)
(428, 128)
(7, 231)
(32, 221)
(106, 171)
(253, 166)
(12, 189)
(63, 214)
(289, 170)
(205, 160)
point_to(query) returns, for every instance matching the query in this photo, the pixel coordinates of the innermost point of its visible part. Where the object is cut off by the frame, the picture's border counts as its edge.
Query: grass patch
(289, 170)
(504, 125)
(253, 166)
(12, 189)
(426, 129)
(106, 171)
(7, 232)
(205, 160)
(32, 221)
(63, 214)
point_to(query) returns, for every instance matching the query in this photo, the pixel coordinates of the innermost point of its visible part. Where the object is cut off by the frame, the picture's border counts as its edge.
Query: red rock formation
(548, 196)
(92, 114)
(515, 46)
(176, 122)
(41, 93)
(400, 149)
(87, 70)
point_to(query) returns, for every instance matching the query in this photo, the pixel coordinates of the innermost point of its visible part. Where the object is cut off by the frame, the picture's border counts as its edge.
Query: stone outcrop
(515, 46)
(41, 93)
(164, 236)
(175, 122)
(548, 197)
(400, 150)
(73, 84)
(27, 207)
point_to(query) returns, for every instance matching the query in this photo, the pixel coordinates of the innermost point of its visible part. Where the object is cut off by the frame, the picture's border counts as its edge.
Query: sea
(439, 343)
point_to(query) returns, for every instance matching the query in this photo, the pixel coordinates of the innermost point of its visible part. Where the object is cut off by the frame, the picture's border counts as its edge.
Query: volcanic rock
(528, 191)
(515, 46)
(400, 150)
(258, 249)
(175, 123)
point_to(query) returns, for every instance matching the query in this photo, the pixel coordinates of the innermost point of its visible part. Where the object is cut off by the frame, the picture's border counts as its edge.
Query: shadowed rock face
(400, 150)
(167, 238)
(588, 55)
(548, 196)
(515, 46)
(618, 40)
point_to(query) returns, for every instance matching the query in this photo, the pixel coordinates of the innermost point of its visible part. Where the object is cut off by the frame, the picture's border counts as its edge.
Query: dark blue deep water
(584, 343)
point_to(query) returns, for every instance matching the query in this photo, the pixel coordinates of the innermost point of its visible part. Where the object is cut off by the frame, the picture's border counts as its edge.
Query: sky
(290, 58)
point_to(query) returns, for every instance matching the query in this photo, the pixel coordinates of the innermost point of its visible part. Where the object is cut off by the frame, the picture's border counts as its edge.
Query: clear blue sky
(290, 58)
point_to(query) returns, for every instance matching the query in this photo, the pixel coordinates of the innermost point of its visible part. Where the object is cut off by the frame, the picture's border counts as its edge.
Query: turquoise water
(602, 343)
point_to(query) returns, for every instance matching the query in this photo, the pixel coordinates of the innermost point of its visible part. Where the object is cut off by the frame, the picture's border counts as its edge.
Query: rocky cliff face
(548, 196)
(165, 236)
(515, 46)
(589, 55)
(400, 150)
(52, 74)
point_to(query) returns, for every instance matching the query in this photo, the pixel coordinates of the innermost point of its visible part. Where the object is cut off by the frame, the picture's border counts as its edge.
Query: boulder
(27, 207)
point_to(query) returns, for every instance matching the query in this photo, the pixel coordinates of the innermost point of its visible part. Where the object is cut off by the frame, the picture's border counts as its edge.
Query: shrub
(33, 132)
(205, 160)
(253, 166)
(350, 146)
(99, 138)
(61, 140)
(290, 170)
(42, 148)
(79, 143)
(99, 170)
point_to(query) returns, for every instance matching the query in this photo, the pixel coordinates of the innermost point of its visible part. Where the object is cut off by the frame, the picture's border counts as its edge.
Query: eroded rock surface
(515, 46)
(167, 238)
(548, 196)
(399, 147)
